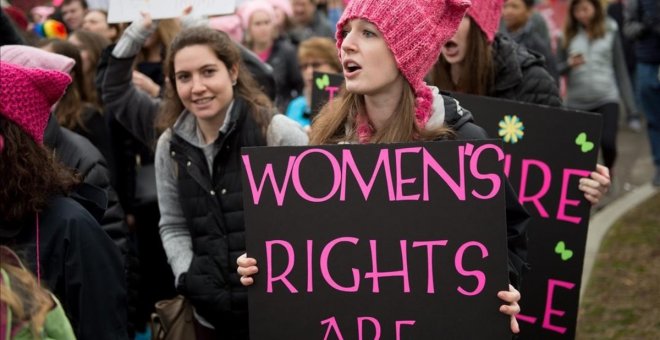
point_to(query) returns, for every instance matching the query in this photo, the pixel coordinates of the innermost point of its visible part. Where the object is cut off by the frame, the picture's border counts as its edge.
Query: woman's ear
(233, 73)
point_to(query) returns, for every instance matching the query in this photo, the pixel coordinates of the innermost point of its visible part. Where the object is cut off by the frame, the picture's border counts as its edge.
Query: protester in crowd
(643, 26)
(517, 15)
(386, 49)
(96, 20)
(62, 242)
(283, 14)
(91, 45)
(478, 60)
(230, 24)
(615, 10)
(148, 75)
(73, 12)
(592, 59)
(308, 22)
(76, 111)
(29, 311)
(39, 14)
(221, 302)
(315, 55)
(261, 38)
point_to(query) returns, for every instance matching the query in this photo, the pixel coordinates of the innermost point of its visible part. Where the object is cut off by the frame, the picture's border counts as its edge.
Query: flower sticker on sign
(511, 129)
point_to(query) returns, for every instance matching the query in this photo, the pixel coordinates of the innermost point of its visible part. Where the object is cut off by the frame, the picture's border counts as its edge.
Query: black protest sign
(325, 88)
(548, 151)
(401, 241)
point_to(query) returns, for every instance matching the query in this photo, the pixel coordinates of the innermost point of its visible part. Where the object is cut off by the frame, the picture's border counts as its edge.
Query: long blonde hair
(337, 121)
(27, 300)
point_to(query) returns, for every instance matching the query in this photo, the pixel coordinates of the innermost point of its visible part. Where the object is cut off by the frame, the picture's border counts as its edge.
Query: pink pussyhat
(230, 24)
(248, 8)
(415, 31)
(27, 94)
(486, 14)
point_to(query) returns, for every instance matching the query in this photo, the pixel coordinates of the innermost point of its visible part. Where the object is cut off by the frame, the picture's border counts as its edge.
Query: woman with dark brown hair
(212, 109)
(479, 60)
(91, 45)
(76, 111)
(63, 244)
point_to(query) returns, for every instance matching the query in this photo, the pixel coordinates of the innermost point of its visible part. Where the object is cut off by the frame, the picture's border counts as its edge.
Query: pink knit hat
(486, 14)
(284, 5)
(415, 31)
(248, 8)
(230, 24)
(27, 94)
(28, 56)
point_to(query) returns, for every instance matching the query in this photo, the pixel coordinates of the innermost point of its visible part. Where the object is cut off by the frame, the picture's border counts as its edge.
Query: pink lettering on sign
(399, 173)
(331, 92)
(375, 275)
(325, 254)
(493, 178)
(549, 312)
(479, 275)
(563, 199)
(400, 324)
(349, 163)
(395, 193)
(430, 162)
(336, 170)
(332, 326)
(268, 173)
(429, 255)
(523, 196)
(282, 277)
(373, 321)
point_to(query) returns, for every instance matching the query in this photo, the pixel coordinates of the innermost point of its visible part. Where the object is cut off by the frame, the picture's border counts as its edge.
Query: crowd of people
(120, 142)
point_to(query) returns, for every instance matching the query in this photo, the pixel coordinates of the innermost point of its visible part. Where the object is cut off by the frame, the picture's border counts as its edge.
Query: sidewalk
(631, 186)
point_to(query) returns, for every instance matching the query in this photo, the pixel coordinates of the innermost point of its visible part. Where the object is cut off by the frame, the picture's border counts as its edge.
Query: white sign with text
(129, 10)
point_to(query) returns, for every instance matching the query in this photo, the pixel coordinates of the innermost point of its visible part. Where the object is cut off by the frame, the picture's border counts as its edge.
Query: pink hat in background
(248, 8)
(43, 11)
(230, 24)
(415, 31)
(486, 14)
(284, 5)
(28, 56)
(27, 94)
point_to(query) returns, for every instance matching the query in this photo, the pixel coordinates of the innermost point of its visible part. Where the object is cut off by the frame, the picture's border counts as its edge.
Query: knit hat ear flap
(486, 14)
(27, 94)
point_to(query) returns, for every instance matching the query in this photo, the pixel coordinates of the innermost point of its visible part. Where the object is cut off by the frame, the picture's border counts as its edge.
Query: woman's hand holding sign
(512, 308)
(596, 185)
(247, 267)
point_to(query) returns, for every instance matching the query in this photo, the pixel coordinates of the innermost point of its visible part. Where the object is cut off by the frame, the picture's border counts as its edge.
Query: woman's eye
(209, 72)
(369, 34)
(182, 77)
(344, 33)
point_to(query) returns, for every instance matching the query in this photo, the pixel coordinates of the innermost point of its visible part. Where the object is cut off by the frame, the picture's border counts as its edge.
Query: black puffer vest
(213, 208)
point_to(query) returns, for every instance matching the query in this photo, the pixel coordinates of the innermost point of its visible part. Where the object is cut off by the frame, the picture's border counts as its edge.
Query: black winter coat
(78, 263)
(520, 75)
(213, 209)
(78, 153)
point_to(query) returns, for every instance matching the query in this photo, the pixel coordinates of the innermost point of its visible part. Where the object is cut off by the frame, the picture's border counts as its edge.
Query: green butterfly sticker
(584, 144)
(322, 82)
(561, 249)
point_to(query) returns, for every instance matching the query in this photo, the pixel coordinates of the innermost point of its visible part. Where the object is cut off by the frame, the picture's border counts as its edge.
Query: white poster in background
(129, 10)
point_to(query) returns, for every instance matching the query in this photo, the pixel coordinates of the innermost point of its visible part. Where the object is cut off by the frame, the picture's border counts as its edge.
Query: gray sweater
(590, 85)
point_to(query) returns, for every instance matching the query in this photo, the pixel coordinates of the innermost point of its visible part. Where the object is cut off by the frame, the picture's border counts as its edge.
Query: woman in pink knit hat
(61, 242)
(261, 37)
(386, 47)
(481, 61)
